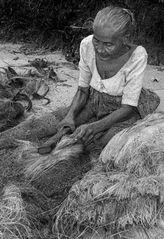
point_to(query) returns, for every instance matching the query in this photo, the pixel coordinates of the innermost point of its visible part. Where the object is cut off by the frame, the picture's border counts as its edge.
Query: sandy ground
(154, 80)
(61, 94)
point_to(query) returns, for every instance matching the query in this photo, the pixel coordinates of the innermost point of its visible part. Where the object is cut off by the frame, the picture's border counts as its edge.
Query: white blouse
(127, 82)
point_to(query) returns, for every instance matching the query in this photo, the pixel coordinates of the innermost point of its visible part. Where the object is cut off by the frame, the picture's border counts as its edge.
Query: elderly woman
(110, 96)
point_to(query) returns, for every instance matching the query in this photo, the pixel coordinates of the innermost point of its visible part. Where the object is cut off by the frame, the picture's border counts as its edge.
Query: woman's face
(106, 43)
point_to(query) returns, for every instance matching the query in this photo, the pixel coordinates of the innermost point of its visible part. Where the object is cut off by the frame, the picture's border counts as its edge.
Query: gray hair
(121, 20)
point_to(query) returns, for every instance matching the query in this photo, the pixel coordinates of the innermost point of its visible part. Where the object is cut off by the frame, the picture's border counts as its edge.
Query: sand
(60, 94)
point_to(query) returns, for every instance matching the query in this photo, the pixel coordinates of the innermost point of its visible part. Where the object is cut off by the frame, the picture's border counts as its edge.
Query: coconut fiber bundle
(124, 191)
(34, 128)
(56, 172)
(13, 220)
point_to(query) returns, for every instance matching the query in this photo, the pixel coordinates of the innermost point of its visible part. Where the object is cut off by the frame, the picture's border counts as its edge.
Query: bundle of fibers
(13, 220)
(126, 190)
(53, 174)
(133, 233)
(137, 146)
(78, 212)
(107, 200)
(36, 164)
(139, 232)
(38, 209)
(10, 114)
(33, 129)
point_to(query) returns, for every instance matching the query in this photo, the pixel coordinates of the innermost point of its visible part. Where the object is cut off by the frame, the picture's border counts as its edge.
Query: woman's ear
(127, 38)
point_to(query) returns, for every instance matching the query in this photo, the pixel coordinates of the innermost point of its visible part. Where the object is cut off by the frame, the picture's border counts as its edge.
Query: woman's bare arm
(88, 131)
(122, 114)
(78, 102)
(77, 105)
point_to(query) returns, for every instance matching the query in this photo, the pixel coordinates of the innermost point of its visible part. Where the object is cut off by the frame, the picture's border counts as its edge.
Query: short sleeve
(84, 71)
(134, 77)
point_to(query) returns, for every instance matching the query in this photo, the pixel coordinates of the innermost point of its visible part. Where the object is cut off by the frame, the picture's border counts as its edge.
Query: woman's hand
(86, 133)
(67, 122)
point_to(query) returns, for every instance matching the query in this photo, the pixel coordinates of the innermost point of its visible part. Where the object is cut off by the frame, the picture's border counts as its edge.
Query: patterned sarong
(100, 105)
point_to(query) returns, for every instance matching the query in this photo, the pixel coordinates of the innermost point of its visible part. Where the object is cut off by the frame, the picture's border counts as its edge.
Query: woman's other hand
(86, 133)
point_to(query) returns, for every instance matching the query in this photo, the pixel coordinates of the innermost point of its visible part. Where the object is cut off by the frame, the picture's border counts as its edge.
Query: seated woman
(110, 95)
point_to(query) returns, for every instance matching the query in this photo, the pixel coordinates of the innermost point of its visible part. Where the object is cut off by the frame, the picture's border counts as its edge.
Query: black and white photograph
(81, 119)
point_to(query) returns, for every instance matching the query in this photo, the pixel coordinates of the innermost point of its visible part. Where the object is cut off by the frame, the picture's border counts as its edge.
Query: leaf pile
(18, 90)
